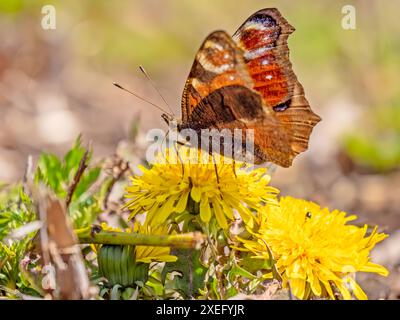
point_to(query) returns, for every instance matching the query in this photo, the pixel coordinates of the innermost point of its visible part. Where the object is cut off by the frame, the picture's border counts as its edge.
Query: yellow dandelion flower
(315, 250)
(218, 188)
(147, 254)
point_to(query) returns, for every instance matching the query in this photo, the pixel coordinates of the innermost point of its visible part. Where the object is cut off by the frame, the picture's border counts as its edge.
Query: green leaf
(191, 272)
(239, 271)
(253, 265)
(24, 197)
(128, 293)
(231, 292)
(115, 292)
(214, 287)
(50, 172)
(86, 181)
(59, 175)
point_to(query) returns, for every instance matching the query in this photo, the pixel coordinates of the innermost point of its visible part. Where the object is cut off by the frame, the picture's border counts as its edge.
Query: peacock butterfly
(246, 82)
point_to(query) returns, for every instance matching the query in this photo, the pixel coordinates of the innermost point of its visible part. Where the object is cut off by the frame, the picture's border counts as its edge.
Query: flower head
(219, 188)
(315, 250)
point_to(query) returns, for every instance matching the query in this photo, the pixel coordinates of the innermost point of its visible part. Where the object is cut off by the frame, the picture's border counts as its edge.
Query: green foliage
(379, 151)
(112, 268)
(16, 210)
(19, 268)
(253, 265)
(189, 273)
(10, 6)
(379, 154)
(59, 175)
(117, 264)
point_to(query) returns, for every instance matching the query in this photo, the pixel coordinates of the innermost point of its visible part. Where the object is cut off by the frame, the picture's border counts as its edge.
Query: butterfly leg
(216, 169)
(182, 143)
(177, 152)
(180, 159)
(234, 167)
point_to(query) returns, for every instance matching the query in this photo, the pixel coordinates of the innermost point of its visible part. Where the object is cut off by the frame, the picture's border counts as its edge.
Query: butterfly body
(246, 82)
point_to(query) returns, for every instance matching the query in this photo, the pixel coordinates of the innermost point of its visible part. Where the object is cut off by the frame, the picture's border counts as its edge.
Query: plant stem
(184, 241)
(78, 175)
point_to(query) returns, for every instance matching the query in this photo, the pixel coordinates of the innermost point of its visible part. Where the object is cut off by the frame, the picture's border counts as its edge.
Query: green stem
(184, 241)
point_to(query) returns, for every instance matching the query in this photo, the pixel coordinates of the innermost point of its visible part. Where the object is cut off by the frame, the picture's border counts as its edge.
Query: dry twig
(81, 169)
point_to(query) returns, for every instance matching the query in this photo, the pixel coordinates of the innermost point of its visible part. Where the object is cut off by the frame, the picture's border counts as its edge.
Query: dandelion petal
(205, 210)
(219, 214)
(196, 194)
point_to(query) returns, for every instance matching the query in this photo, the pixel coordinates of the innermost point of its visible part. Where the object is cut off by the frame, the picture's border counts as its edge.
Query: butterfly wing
(218, 95)
(263, 39)
(218, 64)
(222, 92)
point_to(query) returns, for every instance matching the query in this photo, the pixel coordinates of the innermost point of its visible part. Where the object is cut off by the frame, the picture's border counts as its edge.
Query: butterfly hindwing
(263, 39)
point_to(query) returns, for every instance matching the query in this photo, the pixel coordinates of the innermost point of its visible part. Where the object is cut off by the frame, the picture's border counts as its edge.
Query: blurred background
(56, 84)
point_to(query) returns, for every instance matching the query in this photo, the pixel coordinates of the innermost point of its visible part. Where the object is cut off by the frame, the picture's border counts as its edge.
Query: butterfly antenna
(139, 97)
(155, 88)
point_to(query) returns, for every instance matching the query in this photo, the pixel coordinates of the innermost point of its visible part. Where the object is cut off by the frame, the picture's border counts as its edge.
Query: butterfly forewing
(216, 65)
